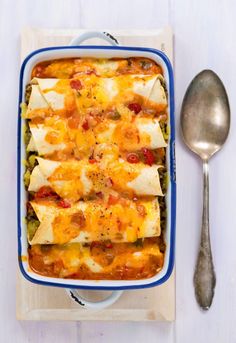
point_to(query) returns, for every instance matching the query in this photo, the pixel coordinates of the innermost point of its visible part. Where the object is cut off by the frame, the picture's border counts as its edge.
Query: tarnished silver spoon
(205, 123)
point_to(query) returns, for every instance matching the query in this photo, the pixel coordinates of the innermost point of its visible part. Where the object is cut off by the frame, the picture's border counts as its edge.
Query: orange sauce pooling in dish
(119, 261)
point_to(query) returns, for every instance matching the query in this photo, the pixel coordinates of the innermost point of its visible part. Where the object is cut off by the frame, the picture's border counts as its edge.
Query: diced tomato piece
(148, 155)
(64, 203)
(112, 200)
(135, 107)
(92, 160)
(109, 245)
(132, 157)
(45, 192)
(76, 84)
(85, 125)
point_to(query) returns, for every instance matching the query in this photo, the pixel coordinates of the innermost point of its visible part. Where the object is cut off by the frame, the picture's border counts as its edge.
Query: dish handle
(94, 34)
(97, 305)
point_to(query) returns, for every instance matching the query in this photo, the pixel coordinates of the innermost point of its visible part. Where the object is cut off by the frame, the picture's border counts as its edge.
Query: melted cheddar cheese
(96, 151)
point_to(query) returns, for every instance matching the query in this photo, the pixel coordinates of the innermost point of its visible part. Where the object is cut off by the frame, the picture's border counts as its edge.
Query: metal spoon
(205, 123)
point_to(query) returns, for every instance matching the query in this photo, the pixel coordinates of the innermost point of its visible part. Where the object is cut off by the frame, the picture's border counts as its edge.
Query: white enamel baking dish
(75, 50)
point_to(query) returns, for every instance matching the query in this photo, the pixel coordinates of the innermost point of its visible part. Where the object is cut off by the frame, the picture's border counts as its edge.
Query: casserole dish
(98, 52)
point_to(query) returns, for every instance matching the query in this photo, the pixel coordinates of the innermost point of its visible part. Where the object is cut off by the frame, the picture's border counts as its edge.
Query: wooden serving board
(36, 302)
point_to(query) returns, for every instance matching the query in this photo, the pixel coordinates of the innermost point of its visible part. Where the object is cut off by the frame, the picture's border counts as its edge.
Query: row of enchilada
(95, 171)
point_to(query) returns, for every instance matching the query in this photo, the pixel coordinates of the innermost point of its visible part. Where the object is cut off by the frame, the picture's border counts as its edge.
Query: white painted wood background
(204, 38)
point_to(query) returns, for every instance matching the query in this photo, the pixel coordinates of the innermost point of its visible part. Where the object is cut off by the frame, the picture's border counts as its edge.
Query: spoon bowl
(205, 124)
(205, 119)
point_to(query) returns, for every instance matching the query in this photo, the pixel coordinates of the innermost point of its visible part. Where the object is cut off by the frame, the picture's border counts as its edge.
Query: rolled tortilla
(59, 95)
(49, 96)
(38, 105)
(151, 89)
(53, 91)
(95, 221)
(132, 136)
(129, 136)
(41, 144)
(72, 180)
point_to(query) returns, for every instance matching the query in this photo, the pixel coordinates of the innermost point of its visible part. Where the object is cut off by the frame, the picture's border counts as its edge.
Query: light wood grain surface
(35, 302)
(204, 38)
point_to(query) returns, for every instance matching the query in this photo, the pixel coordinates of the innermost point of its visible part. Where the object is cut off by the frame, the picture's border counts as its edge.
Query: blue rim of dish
(172, 169)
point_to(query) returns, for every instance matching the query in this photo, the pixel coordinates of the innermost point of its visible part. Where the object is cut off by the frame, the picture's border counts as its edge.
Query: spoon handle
(204, 277)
